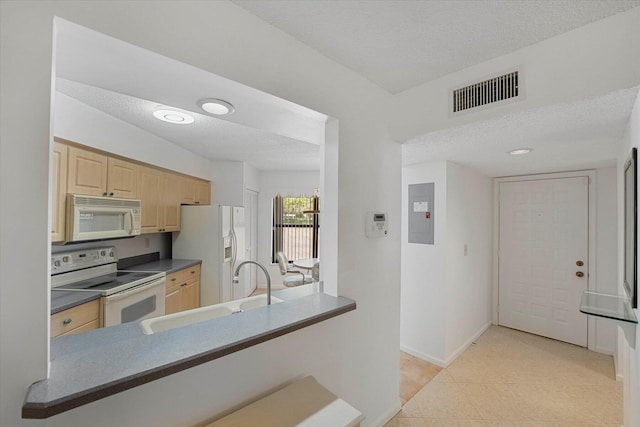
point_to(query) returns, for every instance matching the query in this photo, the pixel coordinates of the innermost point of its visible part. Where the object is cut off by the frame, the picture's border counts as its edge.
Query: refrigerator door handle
(234, 245)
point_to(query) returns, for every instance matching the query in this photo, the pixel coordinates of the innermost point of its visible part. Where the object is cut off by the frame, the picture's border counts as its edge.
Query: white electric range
(127, 295)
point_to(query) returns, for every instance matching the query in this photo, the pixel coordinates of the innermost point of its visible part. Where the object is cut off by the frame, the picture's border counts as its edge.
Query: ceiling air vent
(487, 92)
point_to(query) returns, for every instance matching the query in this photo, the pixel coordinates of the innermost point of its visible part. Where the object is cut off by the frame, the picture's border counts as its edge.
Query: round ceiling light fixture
(173, 116)
(519, 151)
(216, 107)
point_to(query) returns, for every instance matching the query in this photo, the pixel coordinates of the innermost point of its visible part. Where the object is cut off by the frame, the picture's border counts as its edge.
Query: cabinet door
(58, 199)
(150, 184)
(188, 191)
(122, 179)
(172, 303)
(171, 202)
(191, 295)
(87, 172)
(203, 193)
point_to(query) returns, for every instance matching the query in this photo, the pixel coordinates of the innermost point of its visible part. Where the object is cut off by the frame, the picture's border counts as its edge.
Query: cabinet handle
(193, 272)
(105, 193)
(173, 279)
(110, 194)
(184, 284)
(67, 321)
(197, 203)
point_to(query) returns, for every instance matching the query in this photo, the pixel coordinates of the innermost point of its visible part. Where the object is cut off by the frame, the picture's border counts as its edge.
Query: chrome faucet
(235, 277)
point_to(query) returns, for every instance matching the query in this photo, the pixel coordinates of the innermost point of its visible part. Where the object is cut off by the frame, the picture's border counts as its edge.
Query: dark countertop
(90, 366)
(165, 265)
(62, 300)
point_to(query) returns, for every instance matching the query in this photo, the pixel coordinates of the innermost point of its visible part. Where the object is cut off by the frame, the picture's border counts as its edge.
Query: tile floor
(414, 374)
(511, 378)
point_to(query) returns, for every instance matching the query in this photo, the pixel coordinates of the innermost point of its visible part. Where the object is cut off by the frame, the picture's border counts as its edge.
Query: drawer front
(174, 280)
(94, 324)
(67, 320)
(184, 275)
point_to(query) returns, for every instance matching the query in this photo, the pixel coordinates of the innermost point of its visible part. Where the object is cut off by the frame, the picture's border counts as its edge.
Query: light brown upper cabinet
(203, 193)
(150, 184)
(159, 193)
(171, 202)
(195, 192)
(95, 174)
(91, 172)
(122, 179)
(87, 172)
(187, 191)
(60, 157)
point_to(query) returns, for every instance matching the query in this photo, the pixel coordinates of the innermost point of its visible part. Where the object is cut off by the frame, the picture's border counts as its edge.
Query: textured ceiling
(401, 44)
(129, 82)
(576, 135)
(208, 136)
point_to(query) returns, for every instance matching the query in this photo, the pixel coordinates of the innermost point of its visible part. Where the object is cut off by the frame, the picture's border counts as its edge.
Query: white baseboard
(467, 343)
(444, 363)
(604, 350)
(423, 356)
(387, 415)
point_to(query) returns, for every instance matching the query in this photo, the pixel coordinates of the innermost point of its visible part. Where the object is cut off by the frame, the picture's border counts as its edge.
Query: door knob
(579, 273)
(579, 263)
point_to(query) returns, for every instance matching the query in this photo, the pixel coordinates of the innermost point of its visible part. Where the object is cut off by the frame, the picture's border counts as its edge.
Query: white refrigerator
(216, 235)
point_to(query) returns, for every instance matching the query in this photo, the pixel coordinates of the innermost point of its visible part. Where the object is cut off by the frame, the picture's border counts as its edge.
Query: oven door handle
(133, 291)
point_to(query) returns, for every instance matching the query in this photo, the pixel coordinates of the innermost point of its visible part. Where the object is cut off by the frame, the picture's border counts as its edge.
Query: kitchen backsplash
(139, 245)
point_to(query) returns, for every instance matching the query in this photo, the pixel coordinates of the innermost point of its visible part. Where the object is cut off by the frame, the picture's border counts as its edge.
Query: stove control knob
(65, 259)
(56, 263)
(111, 254)
(103, 253)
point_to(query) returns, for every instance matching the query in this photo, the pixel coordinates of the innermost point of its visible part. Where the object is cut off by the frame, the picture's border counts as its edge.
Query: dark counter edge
(49, 409)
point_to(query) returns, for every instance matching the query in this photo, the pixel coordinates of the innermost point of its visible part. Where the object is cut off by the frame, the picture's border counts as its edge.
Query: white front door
(543, 239)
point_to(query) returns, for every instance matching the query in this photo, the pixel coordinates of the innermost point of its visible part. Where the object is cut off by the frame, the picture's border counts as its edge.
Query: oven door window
(138, 310)
(142, 302)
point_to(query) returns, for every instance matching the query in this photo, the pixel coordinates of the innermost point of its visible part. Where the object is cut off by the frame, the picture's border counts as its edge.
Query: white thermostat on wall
(376, 224)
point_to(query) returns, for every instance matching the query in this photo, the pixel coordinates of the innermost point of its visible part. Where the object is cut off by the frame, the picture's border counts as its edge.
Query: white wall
(272, 183)
(559, 69)
(468, 278)
(423, 289)
(606, 253)
(628, 356)
(446, 296)
(354, 355)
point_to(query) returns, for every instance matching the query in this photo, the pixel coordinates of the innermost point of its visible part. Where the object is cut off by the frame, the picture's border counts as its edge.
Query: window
(295, 227)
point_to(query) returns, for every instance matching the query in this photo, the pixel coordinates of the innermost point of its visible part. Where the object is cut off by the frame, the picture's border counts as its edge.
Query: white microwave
(97, 218)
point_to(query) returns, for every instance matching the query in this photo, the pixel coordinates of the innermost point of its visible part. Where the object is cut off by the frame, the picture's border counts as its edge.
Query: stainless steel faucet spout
(264, 270)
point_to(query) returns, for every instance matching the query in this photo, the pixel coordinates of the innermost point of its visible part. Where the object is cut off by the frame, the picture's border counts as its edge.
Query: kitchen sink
(184, 318)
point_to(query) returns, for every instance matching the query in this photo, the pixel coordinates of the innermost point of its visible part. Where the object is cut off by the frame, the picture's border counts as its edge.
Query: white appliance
(126, 295)
(96, 218)
(216, 235)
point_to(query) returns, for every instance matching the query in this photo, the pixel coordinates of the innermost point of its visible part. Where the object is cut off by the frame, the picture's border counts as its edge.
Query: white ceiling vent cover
(489, 91)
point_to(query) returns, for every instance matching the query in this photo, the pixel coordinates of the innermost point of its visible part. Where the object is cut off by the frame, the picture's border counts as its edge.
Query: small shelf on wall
(614, 307)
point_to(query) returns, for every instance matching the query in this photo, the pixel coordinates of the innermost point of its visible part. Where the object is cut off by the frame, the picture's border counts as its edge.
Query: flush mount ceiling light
(520, 151)
(173, 116)
(217, 107)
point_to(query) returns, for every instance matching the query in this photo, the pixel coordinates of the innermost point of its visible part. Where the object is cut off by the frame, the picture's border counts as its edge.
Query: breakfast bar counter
(99, 363)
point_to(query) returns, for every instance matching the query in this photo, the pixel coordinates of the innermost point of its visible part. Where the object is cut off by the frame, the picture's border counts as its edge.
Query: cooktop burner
(107, 281)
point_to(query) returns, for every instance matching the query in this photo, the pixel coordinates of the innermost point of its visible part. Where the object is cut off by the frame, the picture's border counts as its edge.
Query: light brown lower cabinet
(81, 318)
(183, 290)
